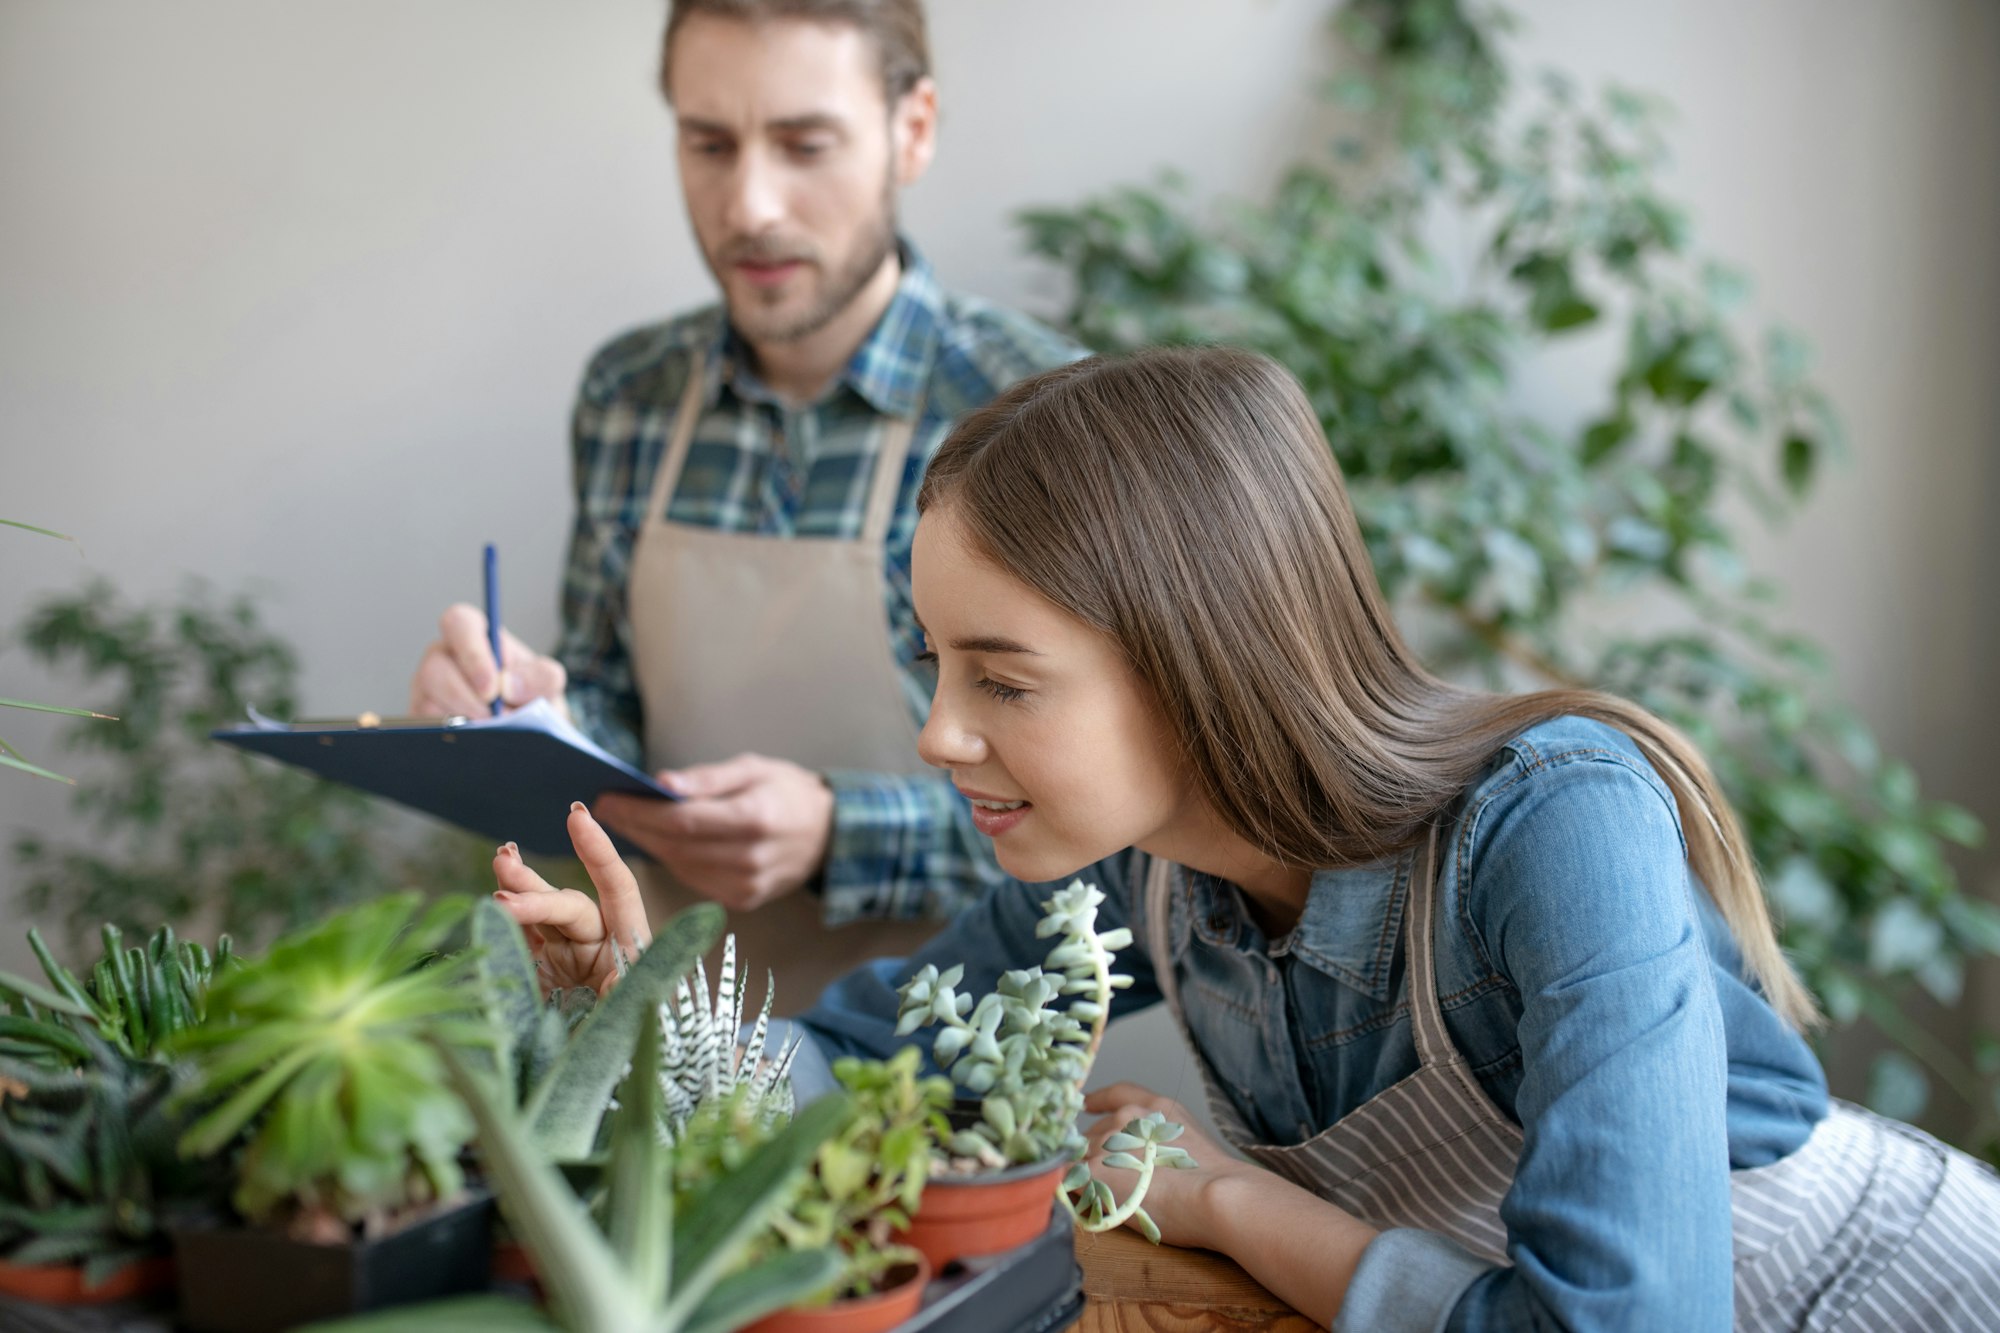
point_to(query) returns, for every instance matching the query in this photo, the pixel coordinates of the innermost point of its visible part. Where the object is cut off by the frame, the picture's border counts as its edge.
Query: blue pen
(493, 611)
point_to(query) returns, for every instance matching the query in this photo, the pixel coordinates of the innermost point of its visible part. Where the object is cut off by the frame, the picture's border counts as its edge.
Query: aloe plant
(87, 1160)
(564, 1073)
(87, 1157)
(325, 1052)
(136, 998)
(1027, 1060)
(660, 1264)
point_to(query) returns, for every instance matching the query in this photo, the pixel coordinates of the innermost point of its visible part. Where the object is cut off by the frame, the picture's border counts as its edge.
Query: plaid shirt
(903, 846)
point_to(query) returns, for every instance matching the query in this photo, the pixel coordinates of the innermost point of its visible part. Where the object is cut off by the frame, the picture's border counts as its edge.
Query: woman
(1483, 986)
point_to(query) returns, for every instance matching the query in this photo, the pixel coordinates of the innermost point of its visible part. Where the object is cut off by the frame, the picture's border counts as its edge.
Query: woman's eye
(926, 656)
(1006, 694)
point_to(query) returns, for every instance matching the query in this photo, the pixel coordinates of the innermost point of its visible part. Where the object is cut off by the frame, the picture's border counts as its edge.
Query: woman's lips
(993, 823)
(994, 815)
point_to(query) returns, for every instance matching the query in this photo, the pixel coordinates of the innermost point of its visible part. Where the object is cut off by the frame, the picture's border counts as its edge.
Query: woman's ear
(913, 131)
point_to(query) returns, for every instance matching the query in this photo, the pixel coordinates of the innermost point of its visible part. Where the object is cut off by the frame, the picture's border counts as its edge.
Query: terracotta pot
(983, 1214)
(513, 1263)
(62, 1284)
(860, 1314)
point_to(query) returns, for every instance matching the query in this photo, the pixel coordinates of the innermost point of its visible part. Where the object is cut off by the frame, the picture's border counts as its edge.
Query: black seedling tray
(1032, 1288)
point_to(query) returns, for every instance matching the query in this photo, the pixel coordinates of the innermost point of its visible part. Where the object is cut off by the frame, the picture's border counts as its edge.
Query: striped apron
(1870, 1224)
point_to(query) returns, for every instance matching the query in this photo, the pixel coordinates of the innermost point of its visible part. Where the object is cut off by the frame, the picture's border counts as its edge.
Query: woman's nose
(944, 742)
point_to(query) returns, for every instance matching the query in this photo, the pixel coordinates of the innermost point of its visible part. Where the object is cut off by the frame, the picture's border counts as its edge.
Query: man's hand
(576, 940)
(750, 829)
(457, 674)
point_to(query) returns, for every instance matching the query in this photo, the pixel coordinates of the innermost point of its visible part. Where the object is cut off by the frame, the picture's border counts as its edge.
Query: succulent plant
(324, 1052)
(702, 1059)
(87, 1160)
(1026, 1060)
(135, 999)
(667, 1259)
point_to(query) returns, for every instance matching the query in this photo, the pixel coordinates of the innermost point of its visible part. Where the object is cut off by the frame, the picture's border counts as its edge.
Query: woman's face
(1038, 718)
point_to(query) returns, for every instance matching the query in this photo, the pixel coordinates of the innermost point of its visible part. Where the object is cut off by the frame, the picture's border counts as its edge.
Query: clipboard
(508, 778)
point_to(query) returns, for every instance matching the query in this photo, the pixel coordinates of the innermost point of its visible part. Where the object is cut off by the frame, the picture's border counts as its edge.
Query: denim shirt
(1586, 978)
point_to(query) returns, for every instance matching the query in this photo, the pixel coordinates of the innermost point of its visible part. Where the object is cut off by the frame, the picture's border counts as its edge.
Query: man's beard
(843, 285)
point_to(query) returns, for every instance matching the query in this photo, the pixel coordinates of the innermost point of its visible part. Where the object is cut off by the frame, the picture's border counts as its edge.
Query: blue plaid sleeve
(903, 847)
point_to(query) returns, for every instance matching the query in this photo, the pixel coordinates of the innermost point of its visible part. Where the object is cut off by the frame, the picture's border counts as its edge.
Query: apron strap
(886, 483)
(674, 460)
(1159, 942)
(1426, 1016)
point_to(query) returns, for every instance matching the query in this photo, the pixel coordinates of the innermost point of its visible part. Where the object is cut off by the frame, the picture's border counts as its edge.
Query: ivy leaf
(1898, 1087)
(1902, 936)
(1797, 460)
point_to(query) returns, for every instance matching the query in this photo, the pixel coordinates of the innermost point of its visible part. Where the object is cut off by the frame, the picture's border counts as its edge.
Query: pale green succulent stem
(1118, 1216)
(1101, 961)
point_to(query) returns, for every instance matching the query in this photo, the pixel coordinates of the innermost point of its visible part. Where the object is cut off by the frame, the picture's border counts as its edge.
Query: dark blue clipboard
(508, 778)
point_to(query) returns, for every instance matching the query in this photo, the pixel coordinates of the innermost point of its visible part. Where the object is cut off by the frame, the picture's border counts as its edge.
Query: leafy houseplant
(1026, 1061)
(863, 1186)
(180, 828)
(319, 1072)
(1502, 533)
(88, 1168)
(667, 1260)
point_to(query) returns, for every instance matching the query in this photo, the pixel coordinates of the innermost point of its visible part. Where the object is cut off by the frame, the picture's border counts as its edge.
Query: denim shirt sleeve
(1572, 876)
(856, 1015)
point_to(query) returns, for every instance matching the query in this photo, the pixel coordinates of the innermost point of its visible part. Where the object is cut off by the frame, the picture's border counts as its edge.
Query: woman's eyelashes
(1006, 694)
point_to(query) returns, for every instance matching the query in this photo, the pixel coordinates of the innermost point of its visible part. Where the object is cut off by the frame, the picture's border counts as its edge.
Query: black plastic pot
(242, 1280)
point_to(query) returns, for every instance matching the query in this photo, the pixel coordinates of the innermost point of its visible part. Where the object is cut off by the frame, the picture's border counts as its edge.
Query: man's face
(790, 161)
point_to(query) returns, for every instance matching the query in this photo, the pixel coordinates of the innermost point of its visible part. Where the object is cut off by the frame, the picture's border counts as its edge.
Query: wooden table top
(1130, 1286)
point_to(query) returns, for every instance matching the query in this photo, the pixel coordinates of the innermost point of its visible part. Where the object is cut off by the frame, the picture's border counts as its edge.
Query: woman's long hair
(1184, 502)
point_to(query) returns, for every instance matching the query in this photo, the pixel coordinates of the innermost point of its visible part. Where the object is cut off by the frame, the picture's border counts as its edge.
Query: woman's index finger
(617, 888)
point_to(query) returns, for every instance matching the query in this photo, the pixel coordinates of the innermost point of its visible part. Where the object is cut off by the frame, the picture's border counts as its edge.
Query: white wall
(297, 292)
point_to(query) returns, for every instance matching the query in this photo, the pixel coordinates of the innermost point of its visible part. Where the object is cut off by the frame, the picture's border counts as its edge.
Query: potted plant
(864, 1184)
(1025, 1059)
(319, 1074)
(664, 1260)
(564, 1055)
(87, 1162)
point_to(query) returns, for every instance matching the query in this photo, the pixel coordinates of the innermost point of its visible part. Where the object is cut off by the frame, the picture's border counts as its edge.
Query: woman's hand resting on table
(574, 938)
(1177, 1200)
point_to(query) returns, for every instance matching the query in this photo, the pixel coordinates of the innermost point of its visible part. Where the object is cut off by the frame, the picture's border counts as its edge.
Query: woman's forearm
(1298, 1245)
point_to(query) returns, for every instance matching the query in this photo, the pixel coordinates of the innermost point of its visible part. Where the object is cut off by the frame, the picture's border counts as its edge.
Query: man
(738, 577)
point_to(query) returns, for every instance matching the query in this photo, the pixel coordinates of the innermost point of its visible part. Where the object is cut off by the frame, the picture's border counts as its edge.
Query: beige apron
(781, 647)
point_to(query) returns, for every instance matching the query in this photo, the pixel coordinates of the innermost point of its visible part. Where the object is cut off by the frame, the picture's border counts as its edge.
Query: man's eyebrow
(804, 122)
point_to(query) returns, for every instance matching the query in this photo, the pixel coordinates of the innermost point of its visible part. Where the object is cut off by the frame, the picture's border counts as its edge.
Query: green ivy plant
(1503, 535)
(181, 828)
